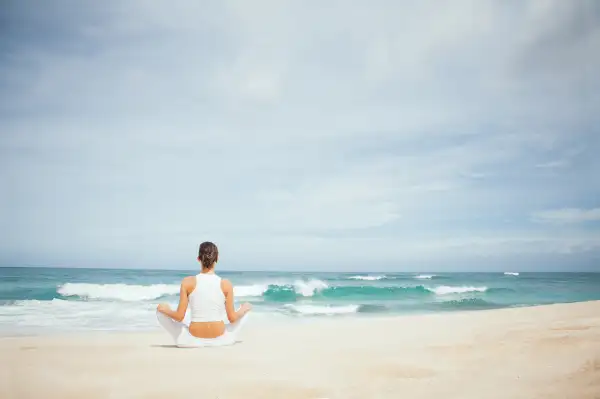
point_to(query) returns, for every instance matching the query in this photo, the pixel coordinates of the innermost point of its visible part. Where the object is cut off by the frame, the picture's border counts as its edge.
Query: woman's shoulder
(189, 281)
(226, 284)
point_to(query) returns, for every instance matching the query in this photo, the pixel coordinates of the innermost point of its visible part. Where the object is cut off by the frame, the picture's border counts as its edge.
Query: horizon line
(297, 271)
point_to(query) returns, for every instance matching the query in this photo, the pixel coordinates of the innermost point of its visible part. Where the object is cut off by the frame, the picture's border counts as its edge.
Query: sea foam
(322, 310)
(250, 290)
(132, 293)
(309, 288)
(300, 287)
(120, 292)
(445, 289)
(367, 278)
(511, 273)
(78, 315)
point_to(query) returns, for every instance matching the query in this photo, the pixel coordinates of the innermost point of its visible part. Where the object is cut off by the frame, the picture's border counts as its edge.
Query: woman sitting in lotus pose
(209, 298)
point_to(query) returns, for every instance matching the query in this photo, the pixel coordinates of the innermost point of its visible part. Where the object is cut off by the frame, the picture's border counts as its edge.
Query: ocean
(48, 300)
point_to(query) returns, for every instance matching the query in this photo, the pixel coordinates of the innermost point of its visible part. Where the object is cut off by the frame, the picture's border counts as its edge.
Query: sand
(537, 352)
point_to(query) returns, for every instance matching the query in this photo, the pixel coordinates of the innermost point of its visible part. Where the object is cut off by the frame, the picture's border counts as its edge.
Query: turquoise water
(36, 300)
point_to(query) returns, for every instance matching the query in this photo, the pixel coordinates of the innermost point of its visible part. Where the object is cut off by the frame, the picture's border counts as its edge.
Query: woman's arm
(232, 315)
(178, 314)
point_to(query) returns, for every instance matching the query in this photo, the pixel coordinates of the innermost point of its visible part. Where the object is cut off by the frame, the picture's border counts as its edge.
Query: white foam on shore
(445, 289)
(120, 292)
(61, 315)
(321, 310)
(67, 315)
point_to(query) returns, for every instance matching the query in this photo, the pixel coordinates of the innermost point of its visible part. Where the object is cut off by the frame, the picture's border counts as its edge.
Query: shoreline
(549, 351)
(267, 318)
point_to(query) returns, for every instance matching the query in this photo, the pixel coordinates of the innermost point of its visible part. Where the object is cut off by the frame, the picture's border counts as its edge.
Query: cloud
(567, 216)
(553, 164)
(130, 126)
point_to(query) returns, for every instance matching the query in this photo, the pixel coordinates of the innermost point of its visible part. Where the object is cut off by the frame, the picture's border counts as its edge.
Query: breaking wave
(367, 278)
(277, 292)
(445, 289)
(120, 292)
(298, 287)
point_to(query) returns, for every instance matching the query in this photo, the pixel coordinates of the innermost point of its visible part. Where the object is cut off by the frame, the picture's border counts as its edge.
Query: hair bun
(208, 254)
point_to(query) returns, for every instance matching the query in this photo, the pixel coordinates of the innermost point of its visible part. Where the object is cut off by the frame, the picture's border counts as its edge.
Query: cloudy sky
(382, 135)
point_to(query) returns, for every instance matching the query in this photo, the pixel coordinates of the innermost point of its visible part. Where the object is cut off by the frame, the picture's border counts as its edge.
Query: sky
(381, 135)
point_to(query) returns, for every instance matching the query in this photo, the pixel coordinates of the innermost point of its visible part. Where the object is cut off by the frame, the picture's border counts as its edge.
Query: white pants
(180, 333)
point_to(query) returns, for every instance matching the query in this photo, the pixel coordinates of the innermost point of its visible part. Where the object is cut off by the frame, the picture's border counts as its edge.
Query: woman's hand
(245, 308)
(163, 307)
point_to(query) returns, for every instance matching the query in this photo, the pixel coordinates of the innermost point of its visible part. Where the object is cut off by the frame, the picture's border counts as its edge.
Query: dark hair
(208, 254)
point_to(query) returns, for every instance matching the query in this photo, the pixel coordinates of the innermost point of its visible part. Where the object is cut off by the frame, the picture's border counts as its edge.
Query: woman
(209, 298)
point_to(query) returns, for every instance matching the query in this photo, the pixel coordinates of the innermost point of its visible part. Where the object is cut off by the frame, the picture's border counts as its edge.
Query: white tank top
(207, 301)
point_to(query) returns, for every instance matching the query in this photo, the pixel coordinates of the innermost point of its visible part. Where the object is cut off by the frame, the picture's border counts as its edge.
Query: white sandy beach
(539, 352)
